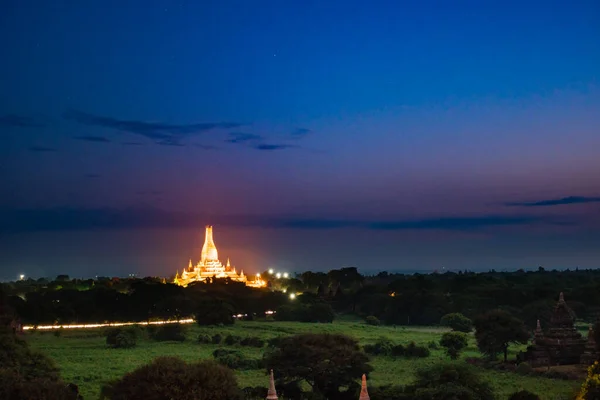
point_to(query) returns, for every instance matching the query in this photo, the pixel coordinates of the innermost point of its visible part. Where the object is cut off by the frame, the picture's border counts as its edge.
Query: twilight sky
(312, 134)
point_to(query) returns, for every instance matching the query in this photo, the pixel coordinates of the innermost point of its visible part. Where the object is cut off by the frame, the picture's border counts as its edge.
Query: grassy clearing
(85, 360)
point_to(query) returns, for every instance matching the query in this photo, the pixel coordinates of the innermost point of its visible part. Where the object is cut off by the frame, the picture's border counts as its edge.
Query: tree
(495, 330)
(457, 322)
(171, 377)
(454, 343)
(214, 312)
(326, 362)
(449, 381)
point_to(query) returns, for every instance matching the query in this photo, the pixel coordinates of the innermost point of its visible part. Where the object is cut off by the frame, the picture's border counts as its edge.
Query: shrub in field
(205, 339)
(383, 346)
(590, 390)
(15, 387)
(120, 338)
(457, 322)
(252, 341)
(274, 342)
(255, 392)
(524, 395)
(415, 351)
(372, 320)
(524, 369)
(454, 343)
(171, 377)
(235, 360)
(169, 332)
(230, 340)
(217, 338)
(433, 345)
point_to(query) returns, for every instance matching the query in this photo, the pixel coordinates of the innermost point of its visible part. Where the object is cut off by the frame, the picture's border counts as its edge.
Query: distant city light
(284, 290)
(285, 274)
(258, 275)
(278, 275)
(292, 296)
(271, 271)
(21, 277)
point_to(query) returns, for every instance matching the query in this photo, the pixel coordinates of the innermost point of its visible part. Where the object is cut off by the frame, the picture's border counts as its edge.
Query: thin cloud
(160, 133)
(132, 144)
(91, 176)
(18, 121)
(56, 219)
(556, 202)
(94, 139)
(300, 133)
(42, 149)
(271, 147)
(240, 137)
(206, 147)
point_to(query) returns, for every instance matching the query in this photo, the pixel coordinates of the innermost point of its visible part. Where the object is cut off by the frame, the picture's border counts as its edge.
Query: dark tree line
(394, 299)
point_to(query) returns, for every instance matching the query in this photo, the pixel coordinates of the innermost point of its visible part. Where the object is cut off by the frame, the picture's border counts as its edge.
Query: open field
(85, 360)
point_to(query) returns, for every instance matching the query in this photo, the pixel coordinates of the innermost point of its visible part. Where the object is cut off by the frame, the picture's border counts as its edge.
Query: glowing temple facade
(210, 267)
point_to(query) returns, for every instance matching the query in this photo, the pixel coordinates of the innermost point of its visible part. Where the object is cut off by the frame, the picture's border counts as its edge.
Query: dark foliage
(230, 340)
(121, 338)
(252, 341)
(495, 330)
(14, 387)
(454, 343)
(313, 312)
(215, 312)
(326, 362)
(172, 378)
(457, 322)
(169, 332)
(523, 395)
(449, 381)
(235, 360)
(205, 338)
(385, 347)
(217, 338)
(372, 320)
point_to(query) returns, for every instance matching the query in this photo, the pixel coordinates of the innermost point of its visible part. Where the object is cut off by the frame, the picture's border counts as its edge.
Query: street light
(292, 296)
(21, 277)
(271, 271)
(285, 275)
(278, 275)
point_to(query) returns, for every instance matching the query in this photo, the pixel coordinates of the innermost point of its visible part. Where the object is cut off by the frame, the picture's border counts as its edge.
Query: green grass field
(85, 360)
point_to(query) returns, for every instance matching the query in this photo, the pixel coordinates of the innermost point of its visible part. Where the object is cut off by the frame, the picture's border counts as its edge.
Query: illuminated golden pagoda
(210, 267)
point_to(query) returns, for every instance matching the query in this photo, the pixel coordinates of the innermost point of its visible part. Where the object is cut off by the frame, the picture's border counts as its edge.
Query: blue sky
(396, 122)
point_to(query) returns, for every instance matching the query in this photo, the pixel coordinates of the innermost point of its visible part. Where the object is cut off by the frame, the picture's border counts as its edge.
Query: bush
(524, 369)
(252, 341)
(17, 357)
(235, 360)
(523, 395)
(372, 320)
(274, 342)
(457, 322)
(433, 345)
(454, 343)
(169, 332)
(121, 338)
(398, 351)
(14, 386)
(217, 338)
(383, 346)
(414, 351)
(205, 339)
(171, 377)
(450, 381)
(230, 340)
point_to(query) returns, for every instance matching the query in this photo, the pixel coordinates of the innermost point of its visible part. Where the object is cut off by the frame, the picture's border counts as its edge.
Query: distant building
(209, 267)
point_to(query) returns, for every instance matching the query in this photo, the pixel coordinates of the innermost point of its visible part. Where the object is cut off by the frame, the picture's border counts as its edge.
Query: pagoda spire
(272, 393)
(209, 250)
(364, 394)
(190, 265)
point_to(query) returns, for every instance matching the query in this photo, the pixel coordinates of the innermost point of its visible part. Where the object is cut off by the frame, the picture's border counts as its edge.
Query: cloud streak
(42, 149)
(94, 139)
(556, 202)
(18, 121)
(161, 133)
(271, 147)
(59, 219)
